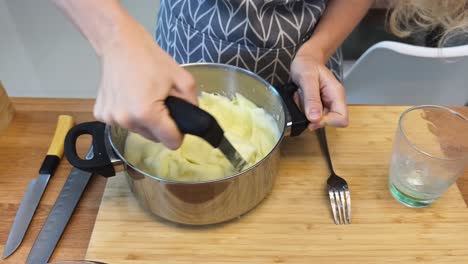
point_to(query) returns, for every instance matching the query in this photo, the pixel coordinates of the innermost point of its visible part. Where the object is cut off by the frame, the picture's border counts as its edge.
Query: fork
(338, 190)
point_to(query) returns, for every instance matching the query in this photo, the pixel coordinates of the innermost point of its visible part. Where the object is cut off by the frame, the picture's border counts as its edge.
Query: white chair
(393, 73)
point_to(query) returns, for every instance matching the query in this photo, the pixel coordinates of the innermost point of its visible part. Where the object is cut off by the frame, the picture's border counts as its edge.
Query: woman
(138, 74)
(277, 39)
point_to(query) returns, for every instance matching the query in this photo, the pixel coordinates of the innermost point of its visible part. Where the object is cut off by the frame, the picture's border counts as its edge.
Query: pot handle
(193, 120)
(100, 162)
(299, 121)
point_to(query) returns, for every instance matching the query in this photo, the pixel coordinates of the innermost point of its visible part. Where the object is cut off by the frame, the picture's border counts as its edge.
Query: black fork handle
(322, 136)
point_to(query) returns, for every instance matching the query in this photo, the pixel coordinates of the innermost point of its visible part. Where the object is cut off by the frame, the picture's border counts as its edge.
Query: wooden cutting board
(294, 223)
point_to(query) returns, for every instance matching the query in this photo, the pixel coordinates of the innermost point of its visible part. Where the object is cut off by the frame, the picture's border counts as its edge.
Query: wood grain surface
(294, 223)
(24, 144)
(22, 147)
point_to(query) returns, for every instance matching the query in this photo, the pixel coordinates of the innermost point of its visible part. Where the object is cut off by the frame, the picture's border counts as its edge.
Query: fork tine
(331, 193)
(339, 204)
(342, 206)
(348, 205)
(338, 207)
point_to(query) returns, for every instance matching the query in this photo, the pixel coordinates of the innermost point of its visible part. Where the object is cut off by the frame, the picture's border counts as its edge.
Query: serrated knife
(37, 186)
(59, 216)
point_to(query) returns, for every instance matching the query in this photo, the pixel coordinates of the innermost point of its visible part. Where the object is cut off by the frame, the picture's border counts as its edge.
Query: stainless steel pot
(199, 203)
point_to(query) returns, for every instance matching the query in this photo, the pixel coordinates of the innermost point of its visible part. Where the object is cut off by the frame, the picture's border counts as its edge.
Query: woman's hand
(137, 77)
(319, 88)
(320, 94)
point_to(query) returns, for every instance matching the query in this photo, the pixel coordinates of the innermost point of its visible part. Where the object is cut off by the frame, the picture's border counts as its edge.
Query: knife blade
(59, 216)
(232, 155)
(37, 186)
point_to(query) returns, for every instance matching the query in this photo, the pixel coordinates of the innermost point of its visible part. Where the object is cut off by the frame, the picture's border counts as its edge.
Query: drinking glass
(430, 152)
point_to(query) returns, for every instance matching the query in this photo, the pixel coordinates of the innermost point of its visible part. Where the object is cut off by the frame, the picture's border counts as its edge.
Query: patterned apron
(262, 36)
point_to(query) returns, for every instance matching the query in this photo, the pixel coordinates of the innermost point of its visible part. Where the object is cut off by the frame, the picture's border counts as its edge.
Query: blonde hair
(448, 16)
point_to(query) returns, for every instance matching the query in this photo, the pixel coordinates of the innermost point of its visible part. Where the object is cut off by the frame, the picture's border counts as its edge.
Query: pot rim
(275, 148)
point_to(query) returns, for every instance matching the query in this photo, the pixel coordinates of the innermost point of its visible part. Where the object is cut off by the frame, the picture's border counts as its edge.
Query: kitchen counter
(22, 148)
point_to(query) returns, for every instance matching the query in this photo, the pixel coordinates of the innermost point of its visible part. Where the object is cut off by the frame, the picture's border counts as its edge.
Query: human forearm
(339, 19)
(100, 22)
(322, 96)
(137, 75)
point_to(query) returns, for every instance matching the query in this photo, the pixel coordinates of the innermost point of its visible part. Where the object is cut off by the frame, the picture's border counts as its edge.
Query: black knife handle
(189, 118)
(55, 152)
(193, 120)
(49, 164)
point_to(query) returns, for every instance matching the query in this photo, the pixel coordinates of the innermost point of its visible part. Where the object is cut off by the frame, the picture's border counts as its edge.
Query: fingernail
(314, 114)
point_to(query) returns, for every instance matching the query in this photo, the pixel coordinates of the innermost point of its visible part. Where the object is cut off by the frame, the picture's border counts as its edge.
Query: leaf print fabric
(262, 36)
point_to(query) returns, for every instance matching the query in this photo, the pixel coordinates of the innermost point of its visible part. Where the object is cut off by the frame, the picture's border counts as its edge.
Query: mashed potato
(251, 130)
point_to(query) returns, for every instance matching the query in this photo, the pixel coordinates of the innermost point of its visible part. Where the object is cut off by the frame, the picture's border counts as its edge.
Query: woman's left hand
(320, 94)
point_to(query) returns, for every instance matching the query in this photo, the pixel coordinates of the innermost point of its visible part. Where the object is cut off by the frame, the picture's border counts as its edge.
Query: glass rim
(446, 109)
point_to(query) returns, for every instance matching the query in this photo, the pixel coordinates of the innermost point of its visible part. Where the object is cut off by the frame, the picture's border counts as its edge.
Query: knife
(193, 120)
(37, 186)
(59, 215)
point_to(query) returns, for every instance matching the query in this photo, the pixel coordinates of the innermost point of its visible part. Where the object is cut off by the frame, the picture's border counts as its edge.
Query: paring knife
(59, 216)
(37, 186)
(193, 120)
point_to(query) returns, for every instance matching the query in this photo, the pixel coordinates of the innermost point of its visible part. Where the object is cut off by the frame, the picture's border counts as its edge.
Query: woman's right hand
(137, 77)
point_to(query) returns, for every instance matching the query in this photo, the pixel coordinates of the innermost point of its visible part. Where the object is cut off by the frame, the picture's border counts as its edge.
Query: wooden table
(22, 148)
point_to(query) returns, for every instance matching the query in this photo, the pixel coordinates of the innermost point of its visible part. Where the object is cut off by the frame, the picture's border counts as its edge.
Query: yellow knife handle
(64, 124)
(55, 152)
